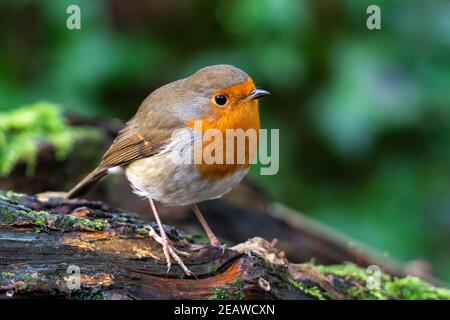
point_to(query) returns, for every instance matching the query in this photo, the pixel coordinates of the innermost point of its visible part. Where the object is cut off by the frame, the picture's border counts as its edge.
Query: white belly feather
(173, 184)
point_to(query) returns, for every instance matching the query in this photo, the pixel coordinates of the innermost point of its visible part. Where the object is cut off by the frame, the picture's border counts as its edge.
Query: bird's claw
(222, 247)
(216, 243)
(170, 251)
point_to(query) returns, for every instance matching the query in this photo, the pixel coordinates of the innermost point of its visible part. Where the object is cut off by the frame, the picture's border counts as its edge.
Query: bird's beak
(257, 93)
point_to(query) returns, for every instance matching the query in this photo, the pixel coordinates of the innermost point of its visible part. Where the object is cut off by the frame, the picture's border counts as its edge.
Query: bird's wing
(133, 144)
(135, 141)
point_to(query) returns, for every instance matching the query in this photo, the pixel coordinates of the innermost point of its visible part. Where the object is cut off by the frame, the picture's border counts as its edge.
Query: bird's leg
(168, 248)
(212, 238)
(152, 233)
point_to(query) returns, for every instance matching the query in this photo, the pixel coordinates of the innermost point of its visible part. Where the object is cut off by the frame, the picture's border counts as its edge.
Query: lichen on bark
(118, 258)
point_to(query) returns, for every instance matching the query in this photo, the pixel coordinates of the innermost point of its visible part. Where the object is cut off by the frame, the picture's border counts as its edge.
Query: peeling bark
(116, 257)
(43, 244)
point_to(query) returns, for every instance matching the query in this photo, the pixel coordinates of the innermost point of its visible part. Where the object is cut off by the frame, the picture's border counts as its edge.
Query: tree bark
(44, 244)
(81, 249)
(299, 236)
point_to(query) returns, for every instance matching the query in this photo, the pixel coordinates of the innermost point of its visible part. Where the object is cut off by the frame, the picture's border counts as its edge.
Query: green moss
(142, 231)
(407, 288)
(40, 219)
(213, 269)
(69, 221)
(364, 293)
(346, 270)
(220, 294)
(29, 280)
(122, 219)
(239, 286)
(6, 276)
(25, 280)
(6, 216)
(99, 224)
(236, 291)
(413, 288)
(43, 220)
(311, 291)
(10, 196)
(22, 129)
(357, 277)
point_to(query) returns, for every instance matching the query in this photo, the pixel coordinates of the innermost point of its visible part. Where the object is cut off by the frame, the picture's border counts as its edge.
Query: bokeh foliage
(23, 130)
(364, 116)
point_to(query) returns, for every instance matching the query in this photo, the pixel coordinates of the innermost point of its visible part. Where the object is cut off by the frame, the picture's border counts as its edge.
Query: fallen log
(80, 249)
(299, 236)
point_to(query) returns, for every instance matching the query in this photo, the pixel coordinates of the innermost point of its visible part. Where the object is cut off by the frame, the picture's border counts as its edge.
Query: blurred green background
(364, 116)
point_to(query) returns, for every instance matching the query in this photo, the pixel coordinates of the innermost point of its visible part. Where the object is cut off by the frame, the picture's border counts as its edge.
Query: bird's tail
(87, 183)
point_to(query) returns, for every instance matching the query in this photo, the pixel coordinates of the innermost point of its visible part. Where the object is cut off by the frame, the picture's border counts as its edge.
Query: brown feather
(164, 110)
(131, 144)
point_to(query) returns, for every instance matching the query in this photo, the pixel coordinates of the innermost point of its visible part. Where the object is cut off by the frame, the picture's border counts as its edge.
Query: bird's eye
(220, 100)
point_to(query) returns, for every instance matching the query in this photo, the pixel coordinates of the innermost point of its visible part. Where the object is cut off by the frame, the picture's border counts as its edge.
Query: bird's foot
(170, 252)
(216, 243)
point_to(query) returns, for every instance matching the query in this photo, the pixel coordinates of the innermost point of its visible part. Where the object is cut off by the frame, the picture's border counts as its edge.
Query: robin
(222, 97)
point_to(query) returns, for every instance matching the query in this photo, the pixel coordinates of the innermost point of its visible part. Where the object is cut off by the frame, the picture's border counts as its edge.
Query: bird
(220, 97)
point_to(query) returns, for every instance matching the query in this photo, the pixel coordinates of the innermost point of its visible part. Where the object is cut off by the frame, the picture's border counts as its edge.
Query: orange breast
(237, 114)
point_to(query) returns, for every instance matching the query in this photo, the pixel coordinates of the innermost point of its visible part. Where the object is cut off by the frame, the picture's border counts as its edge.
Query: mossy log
(49, 142)
(79, 249)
